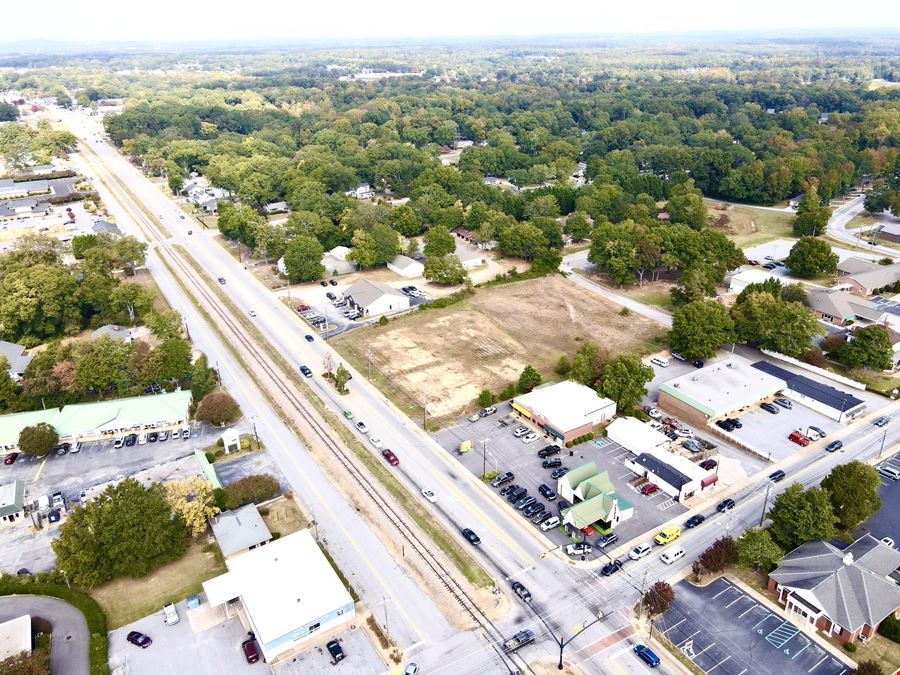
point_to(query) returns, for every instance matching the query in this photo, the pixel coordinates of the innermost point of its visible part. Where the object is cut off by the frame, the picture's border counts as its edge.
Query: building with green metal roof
(594, 499)
(11, 425)
(12, 502)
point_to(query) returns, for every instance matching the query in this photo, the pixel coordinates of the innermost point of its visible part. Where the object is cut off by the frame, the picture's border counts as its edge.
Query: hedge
(94, 615)
(581, 439)
(890, 628)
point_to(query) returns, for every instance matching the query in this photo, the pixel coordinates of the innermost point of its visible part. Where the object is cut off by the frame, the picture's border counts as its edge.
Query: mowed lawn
(126, 600)
(484, 342)
(747, 226)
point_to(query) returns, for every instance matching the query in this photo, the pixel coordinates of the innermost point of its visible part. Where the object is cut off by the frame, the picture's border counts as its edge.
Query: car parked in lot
(509, 488)
(520, 590)
(562, 505)
(302, 308)
(250, 649)
(655, 413)
(881, 421)
(725, 505)
(516, 494)
(820, 433)
(612, 567)
(333, 647)
(559, 473)
(520, 431)
(554, 463)
(708, 464)
(131, 439)
(640, 551)
(540, 515)
(152, 437)
(547, 492)
(503, 479)
(769, 408)
(692, 445)
(549, 523)
(471, 537)
(579, 548)
(10, 458)
(649, 488)
(536, 507)
(139, 639)
(529, 438)
(645, 654)
(490, 410)
(784, 403)
(549, 450)
(390, 457)
(170, 614)
(525, 500)
(726, 425)
(834, 446)
(694, 521)
(607, 539)
(798, 438)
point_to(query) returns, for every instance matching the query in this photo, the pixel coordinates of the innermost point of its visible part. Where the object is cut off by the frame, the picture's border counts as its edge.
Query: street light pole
(483, 457)
(560, 641)
(255, 435)
(762, 516)
(883, 437)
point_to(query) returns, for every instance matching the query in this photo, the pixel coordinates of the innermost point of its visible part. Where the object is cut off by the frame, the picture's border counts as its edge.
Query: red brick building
(845, 594)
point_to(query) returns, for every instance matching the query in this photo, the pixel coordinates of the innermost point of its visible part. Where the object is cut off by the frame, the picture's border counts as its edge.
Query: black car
(777, 476)
(502, 479)
(521, 591)
(533, 508)
(611, 568)
(330, 295)
(333, 647)
(698, 364)
(516, 495)
(152, 436)
(769, 408)
(881, 421)
(694, 521)
(509, 488)
(562, 505)
(552, 463)
(725, 505)
(222, 280)
(548, 450)
(470, 536)
(306, 371)
(559, 473)
(540, 516)
(547, 492)
(784, 403)
(526, 500)
(323, 283)
(333, 282)
(834, 446)
(606, 539)
(130, 439)
(139, 639)
(725, 425)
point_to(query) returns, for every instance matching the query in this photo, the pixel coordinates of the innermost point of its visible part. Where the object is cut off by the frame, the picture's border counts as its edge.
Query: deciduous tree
(755, 549)
(870, 348)
(700, 328)
(853, 492)
(218, 408)
(192, 500)
(446, 270)
(529, 379)
(438, 242)
(303, 258)
(811, 256)
(658, 598)
(800, 516)
(38, 440)
(812, 217)
(623, 380)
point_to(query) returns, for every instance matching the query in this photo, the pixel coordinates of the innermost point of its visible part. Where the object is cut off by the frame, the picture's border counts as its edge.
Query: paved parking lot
(769, 433)
(724, 630)
(335, 315)
(220, 646)
(505, 452)
(886, 521)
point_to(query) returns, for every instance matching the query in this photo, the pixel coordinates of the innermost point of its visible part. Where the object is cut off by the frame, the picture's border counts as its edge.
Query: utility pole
(483, 456)
(762, 516)
(643, 589)
(369, 360)
(563, 642)
(883, 437)
(255, 435)
(425, 411)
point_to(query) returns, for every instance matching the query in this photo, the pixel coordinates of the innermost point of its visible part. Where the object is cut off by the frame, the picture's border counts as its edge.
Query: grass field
(656, 293)
(485, 341)
(747, 226)
(861, 220)
(283, 516)
(126, 600)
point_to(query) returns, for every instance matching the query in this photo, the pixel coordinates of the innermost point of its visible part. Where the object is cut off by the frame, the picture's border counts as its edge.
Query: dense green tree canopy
(811, 256)
(700, 328)
(853, 490)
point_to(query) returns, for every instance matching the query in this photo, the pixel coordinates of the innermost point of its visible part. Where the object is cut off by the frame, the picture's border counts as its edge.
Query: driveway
(69, 645)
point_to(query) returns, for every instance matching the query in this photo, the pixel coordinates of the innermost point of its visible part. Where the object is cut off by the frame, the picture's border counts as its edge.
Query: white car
(656, 426)
(655, 413)
(640, 551)
(374, 440)
(429, 495)
(887, 541)
(120, 442)
(518, 432)
(529, 438)
(361, 427)
(171, 614)
(142, 439)
(685, 433)
(185, 434)
(252, 313)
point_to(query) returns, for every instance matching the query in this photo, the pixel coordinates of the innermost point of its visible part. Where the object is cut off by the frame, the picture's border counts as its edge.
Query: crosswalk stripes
(668, 504)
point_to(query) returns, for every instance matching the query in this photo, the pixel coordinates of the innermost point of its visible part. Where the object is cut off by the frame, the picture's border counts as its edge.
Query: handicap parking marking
(668, 504)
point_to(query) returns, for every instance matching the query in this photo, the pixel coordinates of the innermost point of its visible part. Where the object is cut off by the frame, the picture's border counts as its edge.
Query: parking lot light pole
(560, 641)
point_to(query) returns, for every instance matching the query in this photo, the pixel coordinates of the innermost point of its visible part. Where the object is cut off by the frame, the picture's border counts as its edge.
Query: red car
(302, 308)
(11, 458)
(649, 488)
(799, 438)
(390, 457)
(251, 651)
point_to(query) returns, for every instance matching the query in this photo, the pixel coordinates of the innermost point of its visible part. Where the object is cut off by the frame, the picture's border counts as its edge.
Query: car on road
(798, 438)
(547, 492)
(649, 488)
(333, 282)
(429, 495)
(306, 371)
(579, 548)
(471, 537)
(559, 473)
(250, 649)
(374, 440)
(607, 539)
(252, 313)
(881, 421)
(390, 457)
(131, 439)
(361, 427)
(640, 551)
(645, 654)
(222, 280)
(309, 338)
(834, 446)
(302, 308)
(529, 438)
(10, 458)
(554, 463)
(611, 568)
(671, 555)
(333, 647)
(139, 639)
(503, 479)
(694, 521)
(520, 431)
(777, 476)
(322, 282)
(769, 408)
(348, 414)
(784, 403)
(411, 669)
(725, 505)
(520, 590)
(490, 410)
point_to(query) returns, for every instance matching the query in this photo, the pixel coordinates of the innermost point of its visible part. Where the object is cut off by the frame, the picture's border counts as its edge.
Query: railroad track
(301, 407)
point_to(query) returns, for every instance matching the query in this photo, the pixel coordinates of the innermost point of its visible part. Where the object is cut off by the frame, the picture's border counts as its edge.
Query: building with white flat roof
(717, 390)
(565, 410)
(15, 637)
(288, 592)
(636, 436)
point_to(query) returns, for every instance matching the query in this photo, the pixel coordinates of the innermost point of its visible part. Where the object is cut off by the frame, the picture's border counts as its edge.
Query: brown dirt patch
(486, 341)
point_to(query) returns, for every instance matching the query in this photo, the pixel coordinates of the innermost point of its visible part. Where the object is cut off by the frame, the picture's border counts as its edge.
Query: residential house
(105, 226)
(868, 283)
(843, 593)
(371, 298)
(240, 530)
(474, 238)
(117, 333)
(16, 208)
(276, 207)
(12, 503)
(13, 189)
(17, 358)
(361, 191)
(855, 265)
(842, 308)
(890, 231)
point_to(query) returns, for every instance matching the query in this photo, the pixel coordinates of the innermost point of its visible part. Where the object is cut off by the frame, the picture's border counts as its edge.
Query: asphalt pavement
(69, 631)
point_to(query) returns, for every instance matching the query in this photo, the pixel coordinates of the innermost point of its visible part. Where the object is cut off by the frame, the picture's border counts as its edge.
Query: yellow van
(667, 535)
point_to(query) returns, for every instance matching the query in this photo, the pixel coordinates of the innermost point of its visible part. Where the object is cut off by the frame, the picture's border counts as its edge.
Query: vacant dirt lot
(484, 342)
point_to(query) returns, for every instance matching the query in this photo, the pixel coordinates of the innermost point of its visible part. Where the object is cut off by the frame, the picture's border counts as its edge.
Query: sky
(179, 20)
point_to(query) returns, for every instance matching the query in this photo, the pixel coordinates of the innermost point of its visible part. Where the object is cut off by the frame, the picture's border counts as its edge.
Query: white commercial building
(565, 410)
(636, 436)
(15, 637)
(406, 267)
(675, 475)
(372, 298)
(744, 278)
(288, 592)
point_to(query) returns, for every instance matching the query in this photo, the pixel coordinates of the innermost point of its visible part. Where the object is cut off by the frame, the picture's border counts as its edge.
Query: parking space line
(688, 638)
(724, 590)
(709, 646)
(805, 647)
(742, 672)
(719, 664)
(737, 599)
(764, 619)
(755, 605)
(824, 658)
(674, 626)
(40, 469)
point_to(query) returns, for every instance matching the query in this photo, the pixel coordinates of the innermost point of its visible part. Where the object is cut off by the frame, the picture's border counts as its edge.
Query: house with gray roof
(866, 283)
(17, 358)
(845, 594)
(854, 265)
(240, 530)
(843, 307)
(371, 298)
(114, 332)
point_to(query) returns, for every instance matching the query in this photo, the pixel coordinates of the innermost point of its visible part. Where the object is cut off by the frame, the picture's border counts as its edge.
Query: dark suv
(516, 495)
(335, 650)
(547, 492)
(250, 649)
(554, 463)
(502, 479)
(549, 450)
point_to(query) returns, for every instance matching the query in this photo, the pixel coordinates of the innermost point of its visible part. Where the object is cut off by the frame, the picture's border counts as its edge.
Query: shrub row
(581, 439)
(94, 616)
(247, 490)
(448, 300)
(21, 178)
